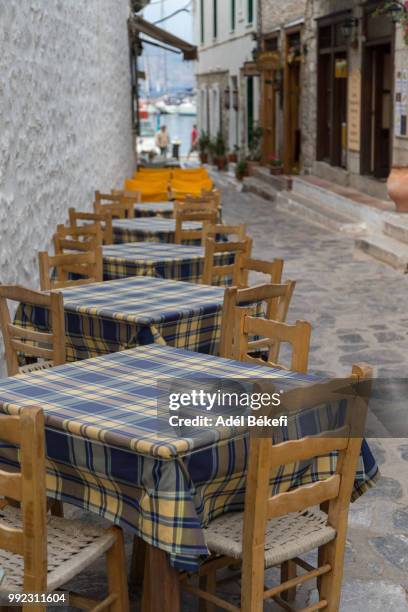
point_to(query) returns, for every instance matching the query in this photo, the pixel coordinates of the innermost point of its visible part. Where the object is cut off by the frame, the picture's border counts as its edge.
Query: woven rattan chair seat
(72, 546)
(286, 537)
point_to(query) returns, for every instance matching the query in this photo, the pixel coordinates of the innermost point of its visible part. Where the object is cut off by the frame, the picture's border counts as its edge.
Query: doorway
(292, 96)
(332, 94)
(377, 120)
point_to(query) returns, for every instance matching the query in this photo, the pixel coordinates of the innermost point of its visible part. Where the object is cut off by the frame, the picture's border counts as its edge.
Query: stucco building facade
(228, 99)
(334, 97)
(65, 115)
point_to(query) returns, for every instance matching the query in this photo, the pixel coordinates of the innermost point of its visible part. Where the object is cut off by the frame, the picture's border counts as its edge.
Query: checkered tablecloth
(110, 453)
(154, 209)
(113, 316)
(172, 261)
(149, 230)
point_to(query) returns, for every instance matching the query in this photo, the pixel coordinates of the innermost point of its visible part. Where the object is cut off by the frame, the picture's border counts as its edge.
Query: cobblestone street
(358, 311)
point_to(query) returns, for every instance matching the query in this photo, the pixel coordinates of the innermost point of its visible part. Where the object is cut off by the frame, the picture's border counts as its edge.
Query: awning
(139, 25)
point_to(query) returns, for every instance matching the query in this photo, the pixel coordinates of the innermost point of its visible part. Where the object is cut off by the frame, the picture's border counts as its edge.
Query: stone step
(259, 188)
(327, 195)
(398, 230)
(279, 182)
(314, 212)
(387, 250)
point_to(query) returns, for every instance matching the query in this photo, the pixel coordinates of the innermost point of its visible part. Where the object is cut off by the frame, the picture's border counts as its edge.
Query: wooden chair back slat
(10, 430)
(88, 264)
(303, 497)
(298, 450)
(11, 540)
(103, 219)
(277, 298)
(31, 350)
(10, 485)
(20, 340)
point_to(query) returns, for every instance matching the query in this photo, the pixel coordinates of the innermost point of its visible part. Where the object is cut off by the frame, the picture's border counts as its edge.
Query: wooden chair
(117, 206)
(204, 214)
(273, 333)
(103, 219)
(275, 296)
(279, 529)
(53, 550)
(212, 273)
(87, 265)
(74, 239)
(48, 347)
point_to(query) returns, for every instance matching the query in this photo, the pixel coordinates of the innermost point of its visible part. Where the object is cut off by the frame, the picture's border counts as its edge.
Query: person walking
(194, 141)
(162, 141)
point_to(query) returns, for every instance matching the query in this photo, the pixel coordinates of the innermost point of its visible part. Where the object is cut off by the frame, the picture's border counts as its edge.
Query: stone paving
(358, 309)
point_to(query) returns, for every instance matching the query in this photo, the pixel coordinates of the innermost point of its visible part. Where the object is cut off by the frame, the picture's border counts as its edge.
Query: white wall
(226, 53)
(65, 118)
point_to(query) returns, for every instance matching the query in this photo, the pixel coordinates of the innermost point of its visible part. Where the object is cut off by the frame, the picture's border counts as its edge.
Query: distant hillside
(180, 74)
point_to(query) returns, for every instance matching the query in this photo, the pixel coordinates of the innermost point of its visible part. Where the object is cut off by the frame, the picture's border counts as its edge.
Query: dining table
(112, 451)
(150, 229)
(171, 261)
(107, 317)
(155, 209)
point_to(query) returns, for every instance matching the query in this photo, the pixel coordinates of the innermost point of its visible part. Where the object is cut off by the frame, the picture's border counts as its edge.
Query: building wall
(275, 13)
(220, 61)
(65, 116)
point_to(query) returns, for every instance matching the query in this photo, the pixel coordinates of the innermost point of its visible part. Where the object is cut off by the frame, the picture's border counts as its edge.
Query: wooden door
(269, 116)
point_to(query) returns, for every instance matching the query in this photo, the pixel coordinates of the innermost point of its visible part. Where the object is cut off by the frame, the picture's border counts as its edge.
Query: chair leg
(56, 507)
(330, 583)
(288, 571)
(117, 574)
(137, 565)
(208, 583)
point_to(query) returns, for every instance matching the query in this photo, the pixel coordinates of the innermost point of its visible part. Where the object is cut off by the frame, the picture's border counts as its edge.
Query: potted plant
(255, 148)
(275, 165)
(203, 143)
(219, 152)
(241, 170)
(233, 156)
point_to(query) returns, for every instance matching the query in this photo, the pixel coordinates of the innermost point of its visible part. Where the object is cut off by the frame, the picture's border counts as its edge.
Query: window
(215, 18)
(202, 31)
(233, 14)
(250, 11)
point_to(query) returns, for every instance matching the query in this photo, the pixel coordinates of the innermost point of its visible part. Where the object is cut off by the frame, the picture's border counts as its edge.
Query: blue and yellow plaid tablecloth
(107, 317)
(154, 209)
(172, 261)
(109, 452)
(149, 230)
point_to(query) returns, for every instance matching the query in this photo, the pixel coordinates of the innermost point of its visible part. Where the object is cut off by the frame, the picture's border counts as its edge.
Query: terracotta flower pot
(276, 170)
(204, 158)
(398, 187)
(233, 158)
(221, 163)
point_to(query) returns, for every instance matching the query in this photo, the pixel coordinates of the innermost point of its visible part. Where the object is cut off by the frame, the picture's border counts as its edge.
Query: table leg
(137, 564)
(161, 585)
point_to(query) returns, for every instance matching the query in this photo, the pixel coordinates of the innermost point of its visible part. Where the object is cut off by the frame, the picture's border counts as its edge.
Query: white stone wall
(65, 118)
